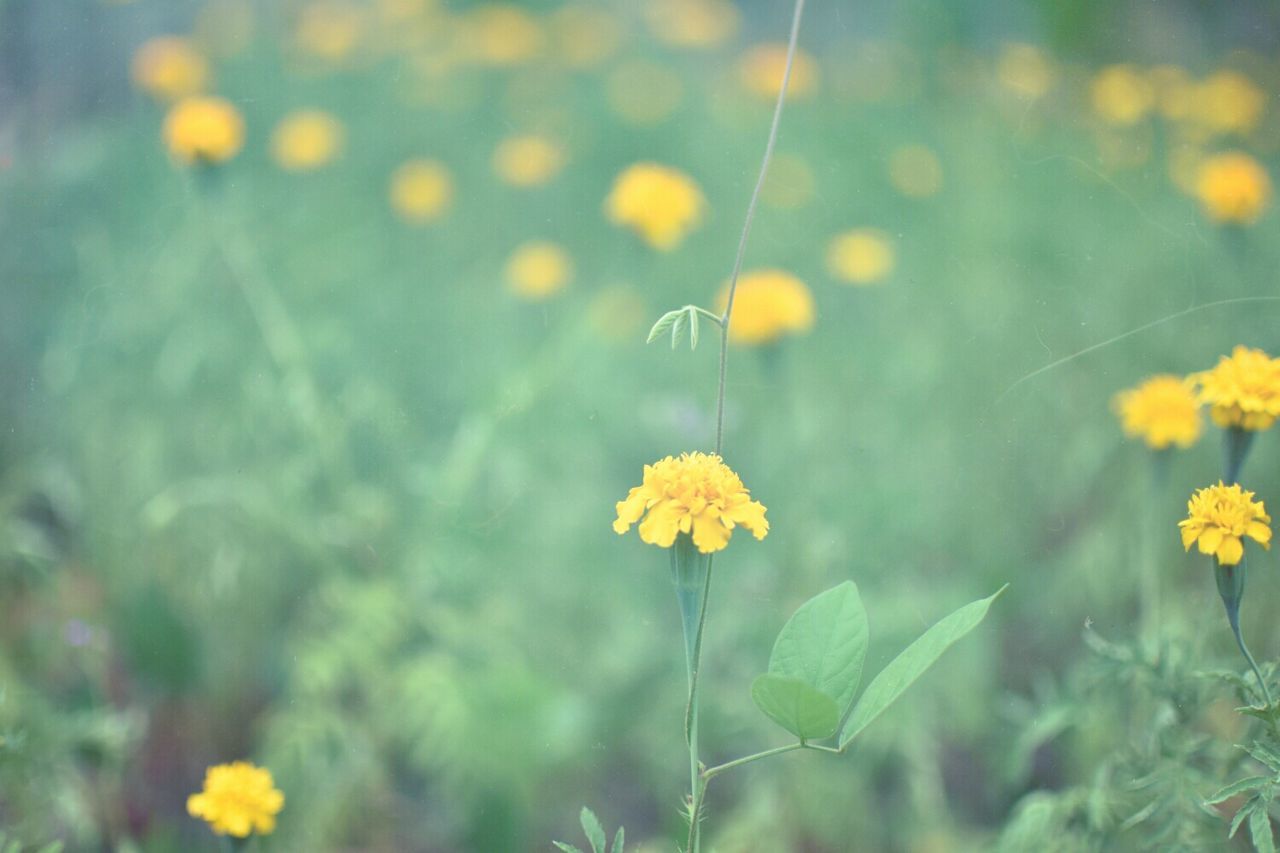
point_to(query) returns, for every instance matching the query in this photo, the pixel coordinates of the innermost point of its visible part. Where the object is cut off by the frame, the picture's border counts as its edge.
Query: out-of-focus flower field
(323, 332)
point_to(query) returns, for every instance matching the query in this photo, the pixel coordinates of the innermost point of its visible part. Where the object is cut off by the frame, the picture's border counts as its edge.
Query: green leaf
(1238, 787)
(693, 326)
(794, 705)
(824, 644)
(660, 327)
(677, 327)
(619, 841)
(566, 848)
(1245, 811)
(1260, 831)
(594, 831)
(908, 666)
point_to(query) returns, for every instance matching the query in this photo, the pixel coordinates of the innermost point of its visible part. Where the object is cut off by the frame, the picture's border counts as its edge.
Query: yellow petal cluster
(1242, 390)
(237, 799)
(1233, 187)
(421, 190)
(527, 161)
(203, 129)
(538, 270)
(659, 203)
(1218, 517)
(501, 34)
(306, 140)
(860, 256)
(1162, 411)
(692, 23)
(1121, 95)
(696, 494)
(169, 68)
(768, 304)
(761, 68)
(1024, 70)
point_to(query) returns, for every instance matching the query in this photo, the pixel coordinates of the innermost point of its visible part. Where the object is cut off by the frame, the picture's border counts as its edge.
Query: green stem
(1231, 588)
(712, 772)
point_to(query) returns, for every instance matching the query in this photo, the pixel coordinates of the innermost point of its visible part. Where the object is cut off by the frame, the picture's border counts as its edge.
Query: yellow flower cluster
(659, 203)
(237, 799)
(1242, 390)
(538, 270)
(1122, 95)
(421, 191)
(1219, 517)
(1162, 411)
(169, 68)
(860, 256)
(306, 140)
(761, 69)
(696, 494)
(203, 129)
(768, 304)
(1233, 187)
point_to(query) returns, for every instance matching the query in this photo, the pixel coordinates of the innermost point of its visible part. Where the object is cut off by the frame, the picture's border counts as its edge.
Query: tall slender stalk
(698, 781)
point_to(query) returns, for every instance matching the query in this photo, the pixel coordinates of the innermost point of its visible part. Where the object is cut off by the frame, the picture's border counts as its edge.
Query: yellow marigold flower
(659, 203)
(1233, 187)
(915, 171)
(527, 161)
(306, 140)
(170, 68)
(761, 69)
(1218, 517)
(421, 190)
(1024, 70)
(768, 304)
(860, 256)
(203, 129)
(538, 270)
(1162, 411)
(237, 799)
(501, 34)
(696, 494)
(692, 23)
(1121, 95)
(1229, 102)
(329, 29)
(1243, 390)
(643, 93)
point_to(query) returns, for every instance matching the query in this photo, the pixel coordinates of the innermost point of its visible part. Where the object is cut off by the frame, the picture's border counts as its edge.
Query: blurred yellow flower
(1162, 411)
(692, 23)
(203, 129)
(1218, 519)
(538, 270)
(789, 183)
(1175, 91)
(306, 140)
(169, 68)
(768, 304)
(1229, 102)
(585, 36)
(1233, 187)
(643, 93)
(696, 494)
(237, 799)
(1121, 95)
(661, 204)
(1242, 390)
(421, 190)
(761, 69)
(915, 171)
(500, 34)
(1024, 70)
(860, 256)
(329, 29)
(527, 161)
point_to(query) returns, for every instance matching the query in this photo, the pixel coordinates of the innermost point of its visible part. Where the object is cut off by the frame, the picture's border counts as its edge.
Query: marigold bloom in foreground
(237, 799)
(1233, 187)
(538, 270)
(421, 190)
(1243, 390)
(659, 203)
(169, 67)
(306, 140)
(696, 494)
(1162, 411)
(203, 129)
(1218, 517)
(860, 256)
(768, 305)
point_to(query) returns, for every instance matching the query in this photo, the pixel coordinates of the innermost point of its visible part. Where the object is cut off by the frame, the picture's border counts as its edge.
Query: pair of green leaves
(1261, 790)
(816, 665)
(595, 834)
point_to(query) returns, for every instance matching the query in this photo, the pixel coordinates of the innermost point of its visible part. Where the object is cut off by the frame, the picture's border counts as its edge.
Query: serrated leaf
(1260, 831)
(794, 705)
(593, 830)
(1245, 811)
(1237, 787)
(912, 663)
(619, 841)
(660, 327)
(824, 644)
(1265, 755)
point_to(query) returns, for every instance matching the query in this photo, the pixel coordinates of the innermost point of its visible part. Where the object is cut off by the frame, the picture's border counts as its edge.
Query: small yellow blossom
(767, 305)
(502, 35)
(643, 93)
(203, 129)
(169, 68)
(1218, 517)
(1162, 411)
(1242, 390)
(696, 494)
(306, 140)
(761, 69)
(1024, 70)
(1121, 95)
(538, 270)
(329, 29)
(860, 256)
(915, 171)
(421, 190)
(527, 161)
(692, 23)
(659, 203)
(1233, 187)
(237, 799)
(1228, 102)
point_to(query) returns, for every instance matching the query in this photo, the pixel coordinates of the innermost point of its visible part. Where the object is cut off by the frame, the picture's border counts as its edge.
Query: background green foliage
(385, 570)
